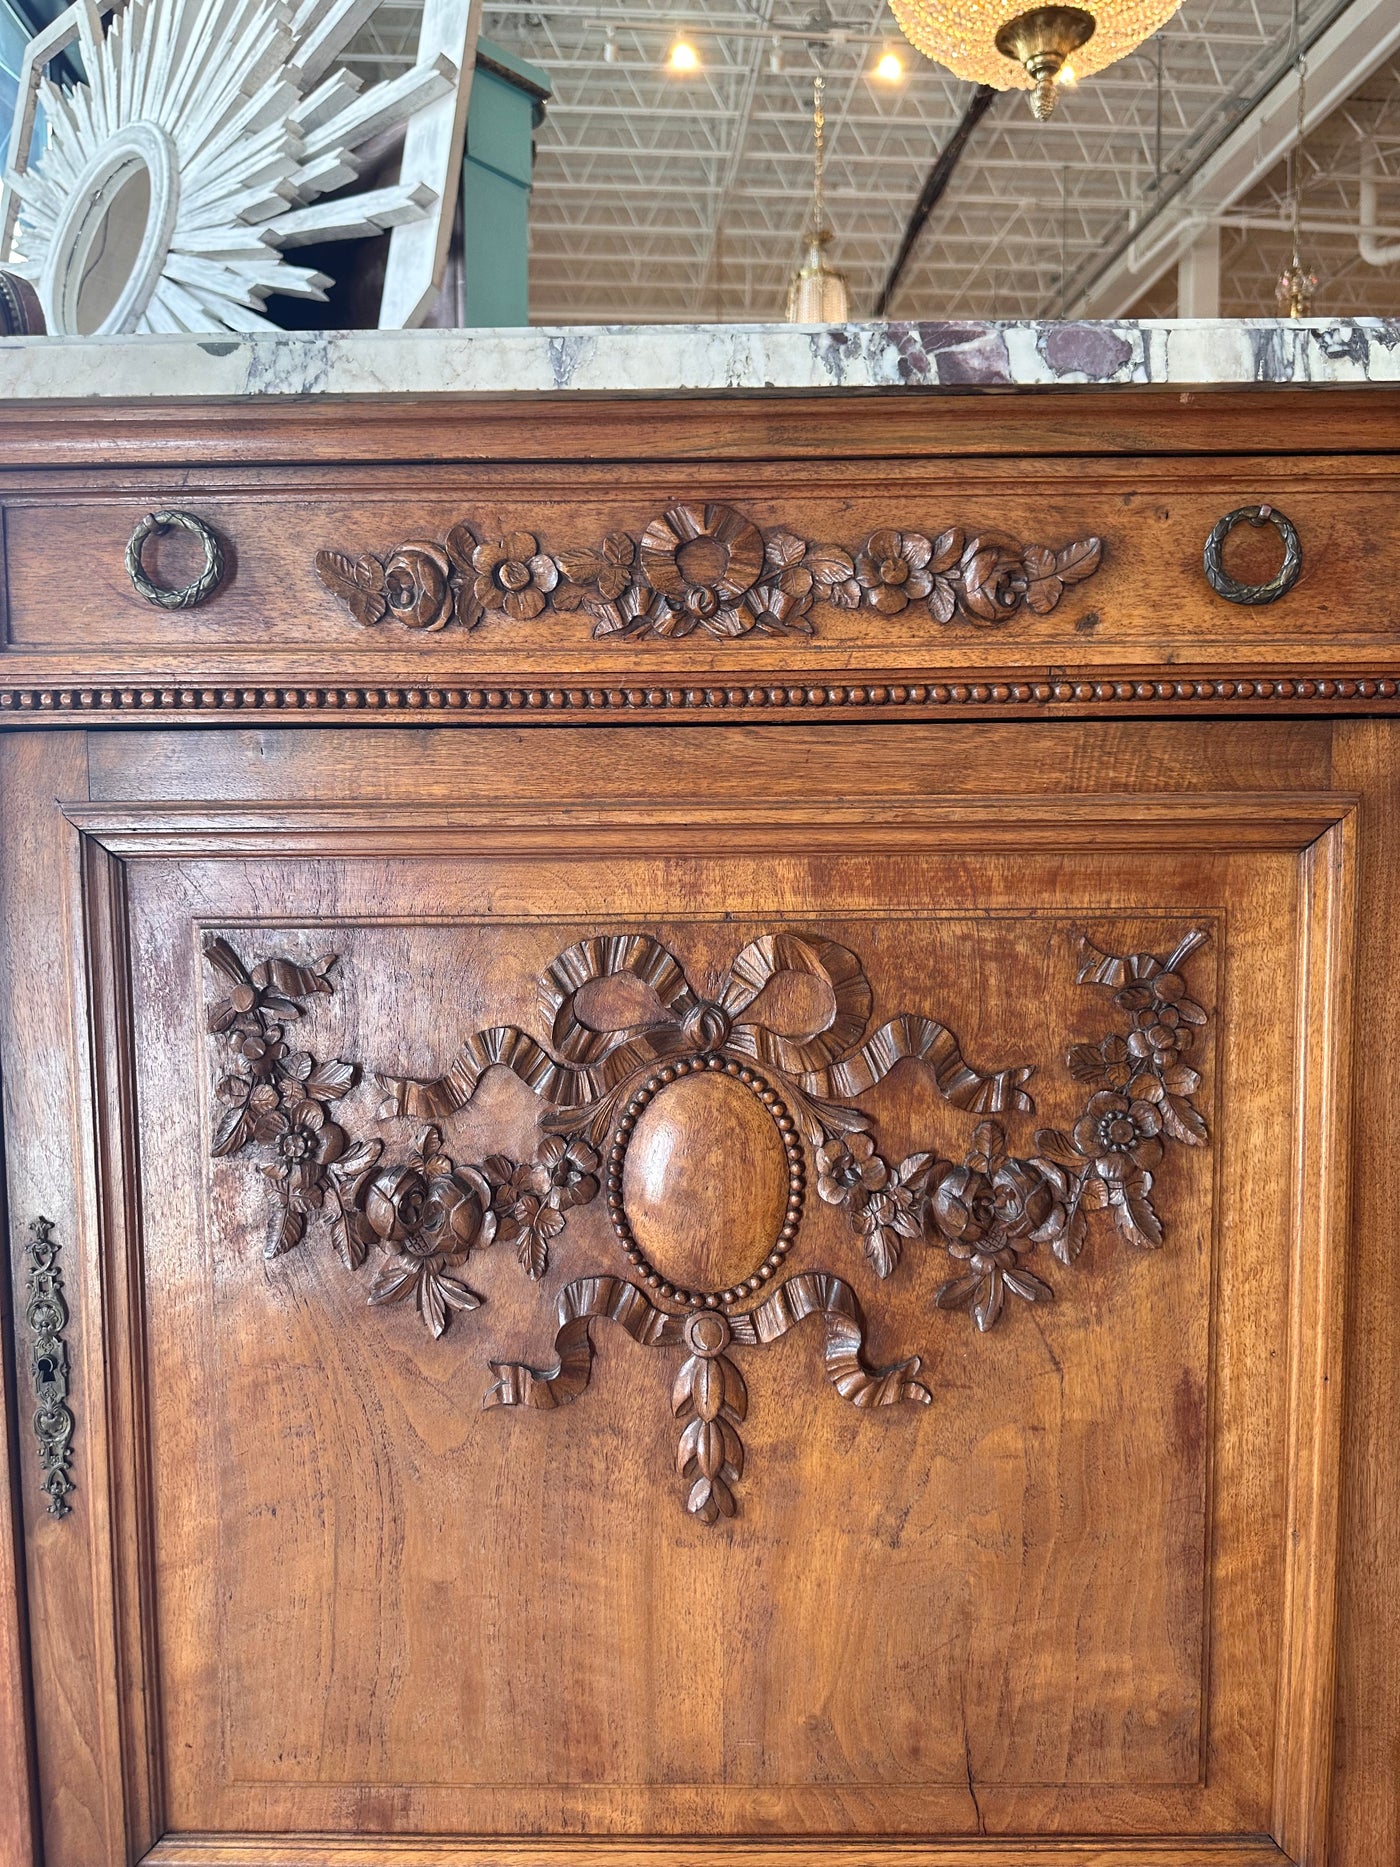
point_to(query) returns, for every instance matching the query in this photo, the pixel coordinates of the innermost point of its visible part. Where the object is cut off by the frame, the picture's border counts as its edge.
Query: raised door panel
(802, 1319)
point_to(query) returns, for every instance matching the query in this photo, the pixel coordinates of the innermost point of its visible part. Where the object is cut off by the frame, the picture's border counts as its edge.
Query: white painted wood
(433, 155)
(356, 216)
(1198, 276)
(232, 109)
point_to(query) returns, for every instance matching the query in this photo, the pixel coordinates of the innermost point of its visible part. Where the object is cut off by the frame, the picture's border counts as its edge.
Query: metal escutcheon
(204, 585)
(1229, 587)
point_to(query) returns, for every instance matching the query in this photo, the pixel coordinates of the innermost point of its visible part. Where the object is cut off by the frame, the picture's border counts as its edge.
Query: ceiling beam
(1342, 57)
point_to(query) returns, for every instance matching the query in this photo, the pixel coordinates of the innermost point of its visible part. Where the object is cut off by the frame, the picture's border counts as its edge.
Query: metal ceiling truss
(667, 198)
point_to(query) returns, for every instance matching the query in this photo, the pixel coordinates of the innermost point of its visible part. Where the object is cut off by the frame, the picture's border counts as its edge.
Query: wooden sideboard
(699, 1150)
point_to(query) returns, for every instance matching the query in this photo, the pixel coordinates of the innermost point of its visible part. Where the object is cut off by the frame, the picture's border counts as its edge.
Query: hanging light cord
(1298, 145)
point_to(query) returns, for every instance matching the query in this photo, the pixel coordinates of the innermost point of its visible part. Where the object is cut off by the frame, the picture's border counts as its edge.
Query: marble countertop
(705, 359)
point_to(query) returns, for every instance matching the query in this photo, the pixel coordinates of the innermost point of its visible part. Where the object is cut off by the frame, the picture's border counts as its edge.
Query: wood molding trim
(1068, 698)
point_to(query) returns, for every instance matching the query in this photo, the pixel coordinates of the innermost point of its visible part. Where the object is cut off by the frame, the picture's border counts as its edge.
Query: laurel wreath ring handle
(1230, 587)
(187, 595)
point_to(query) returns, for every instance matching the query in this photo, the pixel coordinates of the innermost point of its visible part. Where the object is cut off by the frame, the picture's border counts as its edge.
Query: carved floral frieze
(622, 1092)
(706, 567)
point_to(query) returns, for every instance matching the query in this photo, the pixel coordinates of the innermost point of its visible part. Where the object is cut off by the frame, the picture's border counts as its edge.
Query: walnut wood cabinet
(699, 1133)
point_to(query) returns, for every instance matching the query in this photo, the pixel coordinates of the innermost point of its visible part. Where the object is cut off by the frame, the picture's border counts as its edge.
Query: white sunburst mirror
(171, 182)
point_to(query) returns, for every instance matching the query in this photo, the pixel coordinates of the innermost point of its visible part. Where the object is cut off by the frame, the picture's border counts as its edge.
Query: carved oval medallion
(705, 1181)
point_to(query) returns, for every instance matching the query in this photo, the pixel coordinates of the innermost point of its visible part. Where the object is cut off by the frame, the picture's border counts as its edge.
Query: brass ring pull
(1230, 587)
(204, 584)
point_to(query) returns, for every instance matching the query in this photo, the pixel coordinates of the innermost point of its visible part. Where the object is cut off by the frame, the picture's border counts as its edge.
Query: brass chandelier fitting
(1002, 43)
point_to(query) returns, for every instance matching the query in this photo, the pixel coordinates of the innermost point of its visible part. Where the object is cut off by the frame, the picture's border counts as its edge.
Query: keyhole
(47, 1367)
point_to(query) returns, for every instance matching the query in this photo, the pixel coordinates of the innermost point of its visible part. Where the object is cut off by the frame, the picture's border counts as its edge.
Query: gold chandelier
(999, 42)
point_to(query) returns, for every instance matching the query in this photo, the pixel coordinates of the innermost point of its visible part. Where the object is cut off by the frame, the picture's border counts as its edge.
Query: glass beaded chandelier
(999, 42)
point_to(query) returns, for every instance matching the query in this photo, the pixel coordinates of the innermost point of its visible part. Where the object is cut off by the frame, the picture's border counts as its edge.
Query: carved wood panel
(700, 1107)
(1002, 1083)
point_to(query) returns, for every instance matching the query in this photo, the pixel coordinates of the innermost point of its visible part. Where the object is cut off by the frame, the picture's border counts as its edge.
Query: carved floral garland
(706, 567)
(989, 1213)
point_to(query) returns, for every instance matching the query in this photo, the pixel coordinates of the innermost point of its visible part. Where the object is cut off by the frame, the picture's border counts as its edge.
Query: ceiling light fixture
(683, 56)
(1001, 43)
(889, 67)
(817, 293)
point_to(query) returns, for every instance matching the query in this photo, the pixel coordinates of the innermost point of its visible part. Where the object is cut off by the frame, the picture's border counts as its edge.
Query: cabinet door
(624, 1286)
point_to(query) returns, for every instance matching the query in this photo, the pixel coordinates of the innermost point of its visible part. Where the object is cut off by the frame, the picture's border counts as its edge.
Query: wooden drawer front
(972, 565)
(803, 1316)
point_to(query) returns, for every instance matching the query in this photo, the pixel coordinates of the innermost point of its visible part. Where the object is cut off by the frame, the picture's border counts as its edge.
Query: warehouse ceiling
(662, 197)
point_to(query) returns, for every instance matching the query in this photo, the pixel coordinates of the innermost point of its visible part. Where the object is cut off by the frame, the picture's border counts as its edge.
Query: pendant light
(1001, 43)
(1296, 285)
(817, 293)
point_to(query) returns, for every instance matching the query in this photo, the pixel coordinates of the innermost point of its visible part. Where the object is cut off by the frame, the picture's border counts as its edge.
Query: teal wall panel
(507, 104)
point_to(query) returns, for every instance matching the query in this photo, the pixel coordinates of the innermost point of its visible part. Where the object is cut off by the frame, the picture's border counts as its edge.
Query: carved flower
(848, 1166)
(1159, 1036)
(307, 1141)
(893, 570)
(528, 1196)
(703, 559)
(417, 584)
(992, 1212)
(570, 1169)
(514, 575)
(1117, 1133)
(433, 1213)
(783, 605)
(261, 1050)
(1162, 1018)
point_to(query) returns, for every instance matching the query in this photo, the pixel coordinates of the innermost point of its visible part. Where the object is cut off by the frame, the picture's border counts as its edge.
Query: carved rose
(430, 1215)
(514, 575)
(394, 1203)
(993, 1211)
(417, 584)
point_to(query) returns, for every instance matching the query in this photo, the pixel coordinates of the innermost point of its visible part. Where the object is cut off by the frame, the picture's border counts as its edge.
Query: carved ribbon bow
(588, 1067)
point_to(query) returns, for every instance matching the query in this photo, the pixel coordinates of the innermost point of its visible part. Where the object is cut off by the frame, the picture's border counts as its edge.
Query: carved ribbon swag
(426, 1215)
(710, 568)
(709, 1397)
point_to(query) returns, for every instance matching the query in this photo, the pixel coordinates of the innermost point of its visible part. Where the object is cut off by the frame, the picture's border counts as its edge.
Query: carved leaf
(882, 1247)
(947, 549)
(358, 582)
(783, 549)
(224, 960)
(1080, 560)
(990, 1298)
(1024, 1284)
(1133, 1213)
(1055, 1144)
(830, 565)
(459, 545)
(1071, 1241)
(1086, 1063)
(234, 1131)
(289, 1233)
(581, 566)
(1182, 1120)
(328, 1081)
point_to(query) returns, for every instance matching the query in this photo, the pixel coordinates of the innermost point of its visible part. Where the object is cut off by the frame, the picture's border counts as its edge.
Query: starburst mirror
(167, 188)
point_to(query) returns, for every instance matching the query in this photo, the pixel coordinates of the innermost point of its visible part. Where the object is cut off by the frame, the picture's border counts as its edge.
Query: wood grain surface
(664, 1086)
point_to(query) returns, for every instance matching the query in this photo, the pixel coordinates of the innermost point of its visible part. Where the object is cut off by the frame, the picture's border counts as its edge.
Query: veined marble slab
(705, 359)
